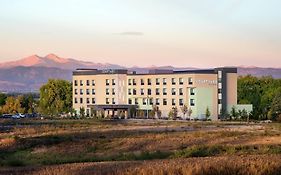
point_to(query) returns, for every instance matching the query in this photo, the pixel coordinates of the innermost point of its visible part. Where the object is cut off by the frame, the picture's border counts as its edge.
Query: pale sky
(198, 33)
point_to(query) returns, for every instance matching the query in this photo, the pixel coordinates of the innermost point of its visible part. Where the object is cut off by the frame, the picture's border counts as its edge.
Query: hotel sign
(209, 82)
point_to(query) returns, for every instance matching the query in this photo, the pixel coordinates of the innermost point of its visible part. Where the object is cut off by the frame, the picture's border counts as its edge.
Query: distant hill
(28, 74)
(52, 60)
(259, 72)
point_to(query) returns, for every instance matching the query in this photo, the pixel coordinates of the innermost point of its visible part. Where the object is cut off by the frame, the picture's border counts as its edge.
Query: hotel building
(115, 90)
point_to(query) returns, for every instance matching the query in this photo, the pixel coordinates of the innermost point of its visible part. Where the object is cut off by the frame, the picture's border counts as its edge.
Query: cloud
(130, 33)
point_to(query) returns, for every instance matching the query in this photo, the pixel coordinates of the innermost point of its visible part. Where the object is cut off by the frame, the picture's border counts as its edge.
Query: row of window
(134, 82)
(88, 91)
(157, 91)
(157, 81)
(149, 101)
(93, 101)
(145, 101)
(81, 82)
(134, 91)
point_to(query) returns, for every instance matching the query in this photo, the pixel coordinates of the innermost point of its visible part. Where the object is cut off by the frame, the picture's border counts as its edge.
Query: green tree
(184, 110)
(207, 113)
(56, 97)
(173, 113)
(233, 113)
(3, 98)
(82, 112)
(275, 110)
(12, 106)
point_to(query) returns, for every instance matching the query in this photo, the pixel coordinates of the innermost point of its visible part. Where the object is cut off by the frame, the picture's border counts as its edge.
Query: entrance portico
(114, 110)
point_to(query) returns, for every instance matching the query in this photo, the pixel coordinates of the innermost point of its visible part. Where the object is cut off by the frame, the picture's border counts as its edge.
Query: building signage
(108, 71)
(209, 82)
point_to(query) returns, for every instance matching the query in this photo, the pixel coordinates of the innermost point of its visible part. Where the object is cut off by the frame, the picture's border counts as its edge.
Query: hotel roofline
(82, 71)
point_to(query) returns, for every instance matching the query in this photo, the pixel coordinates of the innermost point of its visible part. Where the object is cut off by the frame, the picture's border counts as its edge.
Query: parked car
(21, 115)
(16, 116)
(7, 116)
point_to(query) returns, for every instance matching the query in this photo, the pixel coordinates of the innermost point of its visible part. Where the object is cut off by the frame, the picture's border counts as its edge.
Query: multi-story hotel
(120, 90)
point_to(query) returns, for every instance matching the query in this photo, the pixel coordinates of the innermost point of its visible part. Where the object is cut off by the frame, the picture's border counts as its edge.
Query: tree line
(264, 93)
(56, 98)
(13, 104)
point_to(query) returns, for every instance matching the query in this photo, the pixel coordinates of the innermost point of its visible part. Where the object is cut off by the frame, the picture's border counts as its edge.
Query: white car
(15, 116)
(21, 115)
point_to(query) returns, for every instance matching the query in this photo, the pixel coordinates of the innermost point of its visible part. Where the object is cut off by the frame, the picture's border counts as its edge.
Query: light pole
(147, 105)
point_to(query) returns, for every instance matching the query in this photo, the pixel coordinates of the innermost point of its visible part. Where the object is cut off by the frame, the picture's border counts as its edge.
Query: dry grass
(240, 165)
(34, 144)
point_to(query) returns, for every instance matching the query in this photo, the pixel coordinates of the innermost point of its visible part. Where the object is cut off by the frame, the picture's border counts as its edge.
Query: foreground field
(138, 147)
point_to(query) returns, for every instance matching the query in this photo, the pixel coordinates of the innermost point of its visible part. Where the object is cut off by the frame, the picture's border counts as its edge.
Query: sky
(182, 33)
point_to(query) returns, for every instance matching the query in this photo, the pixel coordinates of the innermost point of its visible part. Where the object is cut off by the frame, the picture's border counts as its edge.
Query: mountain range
(28, 74)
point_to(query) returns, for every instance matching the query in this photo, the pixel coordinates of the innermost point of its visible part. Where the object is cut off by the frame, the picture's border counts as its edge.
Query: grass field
(138, 147)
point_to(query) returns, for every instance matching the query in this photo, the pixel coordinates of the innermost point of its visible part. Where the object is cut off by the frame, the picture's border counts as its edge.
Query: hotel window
(164, 91)
(88, 82)
(144, 101)
(219, 101)
(81, 100)
(157, 91)
(150, 101)
(107, 91)
(81, 82)
(157, 81)
(180, 91)
(219, 91)
(165, 102)
(113, 91)
(134, 82)
(81, 91)
(220, 76)
(75, 91)
(88, 101)
(93, 83)
(192, 102)
(129, 82)
(134, 92)
(181, 102)
(75, 83)
(129, 92)
(93, 92)
(173, 81)
(75, 100)
(148, 81)
(181, 81)
(142, 91)
(93, 101)
(164, 81)
(88, 91)
(173, 102)
(113, 82)
(190, 81)
(142, 82)
(148, 91)
(192, 91)
(113, 101)
(107, 101)
(136, 101)
(173, 91)
(157, 101)
(129, 101)
(107, 82)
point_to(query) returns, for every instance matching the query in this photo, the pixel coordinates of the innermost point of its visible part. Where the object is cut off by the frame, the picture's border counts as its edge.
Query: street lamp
(147, 105)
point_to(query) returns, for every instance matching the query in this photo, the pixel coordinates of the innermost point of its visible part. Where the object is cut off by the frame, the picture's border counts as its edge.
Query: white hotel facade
(119, 90)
